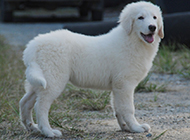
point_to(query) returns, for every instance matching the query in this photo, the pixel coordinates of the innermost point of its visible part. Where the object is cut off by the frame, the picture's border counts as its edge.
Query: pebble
(129, 138)
(149, 135)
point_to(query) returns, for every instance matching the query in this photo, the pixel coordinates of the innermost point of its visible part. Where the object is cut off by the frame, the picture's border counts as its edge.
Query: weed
(95, 101)
(165, 62)
(87, 99)
(156, 138)
(185, 73)
(141, 106)
(11, 88)
(155, 88)
(171, 61)
(156, 96)
(142, 85)
(145, 86)
(185, 62)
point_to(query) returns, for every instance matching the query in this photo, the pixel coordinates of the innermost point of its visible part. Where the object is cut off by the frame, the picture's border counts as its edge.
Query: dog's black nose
(152, 28)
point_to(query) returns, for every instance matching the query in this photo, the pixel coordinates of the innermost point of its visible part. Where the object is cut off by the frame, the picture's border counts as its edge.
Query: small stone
(129, 138)
(149, 135)
(159, 105)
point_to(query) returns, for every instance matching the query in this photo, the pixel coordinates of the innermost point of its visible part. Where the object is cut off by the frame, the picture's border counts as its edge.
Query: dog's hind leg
(42, 106)
(44, 100)
(26, 105)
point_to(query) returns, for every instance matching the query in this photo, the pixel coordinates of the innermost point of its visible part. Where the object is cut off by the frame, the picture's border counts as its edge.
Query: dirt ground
(167, 112)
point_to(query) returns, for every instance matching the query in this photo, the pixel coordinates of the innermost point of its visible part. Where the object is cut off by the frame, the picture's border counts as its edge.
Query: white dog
(115, 61)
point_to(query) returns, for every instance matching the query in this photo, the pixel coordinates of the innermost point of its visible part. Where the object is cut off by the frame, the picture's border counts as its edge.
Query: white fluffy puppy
(115, 61)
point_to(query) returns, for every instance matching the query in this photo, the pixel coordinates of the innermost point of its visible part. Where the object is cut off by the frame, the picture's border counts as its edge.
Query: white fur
(115, 61)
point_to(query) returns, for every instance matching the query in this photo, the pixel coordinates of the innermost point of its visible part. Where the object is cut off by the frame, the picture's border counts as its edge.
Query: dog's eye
(154, 17)
(141, 17)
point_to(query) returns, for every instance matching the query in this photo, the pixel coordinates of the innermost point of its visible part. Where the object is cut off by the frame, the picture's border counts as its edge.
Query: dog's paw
(57, 133)
(32, 127)
(51, 132)
(140, 128)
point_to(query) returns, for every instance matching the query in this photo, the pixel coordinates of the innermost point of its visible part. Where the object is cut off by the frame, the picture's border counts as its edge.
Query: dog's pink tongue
(149, 38)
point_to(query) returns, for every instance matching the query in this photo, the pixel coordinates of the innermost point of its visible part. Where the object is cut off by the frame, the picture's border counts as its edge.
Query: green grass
(86, 99)
(172, 61)
(11, 88)
(146, 86)
(185, 63)
(158, 137)
(11, 83)
(165, 61)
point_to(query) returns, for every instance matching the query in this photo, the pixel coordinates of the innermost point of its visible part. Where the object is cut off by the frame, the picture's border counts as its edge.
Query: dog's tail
(35, 75)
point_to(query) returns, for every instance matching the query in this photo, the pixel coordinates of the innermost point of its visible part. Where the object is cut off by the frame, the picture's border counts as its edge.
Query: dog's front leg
(123, 104)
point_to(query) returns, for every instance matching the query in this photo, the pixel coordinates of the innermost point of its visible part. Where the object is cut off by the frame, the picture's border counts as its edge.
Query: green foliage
(146, 86)
(158, 137)
(11, 88)
(11, 83)
(165, 62)
(185, 63)
(173, 59)
(142, 85)
(87, 99)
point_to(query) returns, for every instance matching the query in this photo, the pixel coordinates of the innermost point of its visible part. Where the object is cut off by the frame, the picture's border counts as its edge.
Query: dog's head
(144, 19)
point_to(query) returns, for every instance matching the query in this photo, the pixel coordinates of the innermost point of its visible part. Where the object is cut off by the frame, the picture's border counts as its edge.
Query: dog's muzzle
(149, 37)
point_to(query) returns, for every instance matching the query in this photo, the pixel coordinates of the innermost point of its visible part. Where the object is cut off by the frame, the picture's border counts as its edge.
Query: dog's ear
(161, 32)
(161, 27)
(126, 20)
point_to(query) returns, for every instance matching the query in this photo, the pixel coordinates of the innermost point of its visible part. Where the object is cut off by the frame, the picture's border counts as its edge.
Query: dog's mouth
(148, 38)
